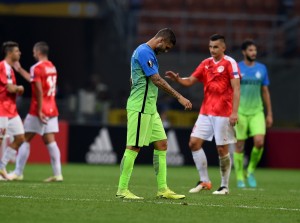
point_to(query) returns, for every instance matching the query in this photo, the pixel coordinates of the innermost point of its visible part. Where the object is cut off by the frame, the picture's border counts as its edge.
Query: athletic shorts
(3, 126)
(143, 129)
(33, 124)
(207, 127)
(15, 126)
(250, 125)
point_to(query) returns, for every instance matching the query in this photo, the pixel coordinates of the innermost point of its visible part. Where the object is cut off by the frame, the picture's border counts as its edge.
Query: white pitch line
(150, 202)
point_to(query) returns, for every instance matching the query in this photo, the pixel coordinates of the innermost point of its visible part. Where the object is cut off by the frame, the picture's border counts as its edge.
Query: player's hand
(233, 119)
(17, 66)
(269, 121)
(43, 117)
(20, 90)
(172, 76)
(185, 103)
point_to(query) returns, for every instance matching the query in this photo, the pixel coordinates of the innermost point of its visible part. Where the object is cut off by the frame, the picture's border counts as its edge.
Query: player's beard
(159, 50)
(251, 59)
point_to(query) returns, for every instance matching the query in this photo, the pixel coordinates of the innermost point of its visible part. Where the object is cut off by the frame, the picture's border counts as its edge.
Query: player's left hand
(20, 89)
(17, 66)
(233, 119)
(269, 121)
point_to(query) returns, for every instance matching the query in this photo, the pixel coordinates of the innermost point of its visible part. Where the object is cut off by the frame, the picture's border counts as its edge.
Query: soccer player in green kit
(144, 124)
(252, 120)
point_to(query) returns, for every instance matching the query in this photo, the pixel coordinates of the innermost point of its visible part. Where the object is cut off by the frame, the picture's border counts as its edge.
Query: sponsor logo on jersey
(258, 75)
(220, 69)
(101, 151)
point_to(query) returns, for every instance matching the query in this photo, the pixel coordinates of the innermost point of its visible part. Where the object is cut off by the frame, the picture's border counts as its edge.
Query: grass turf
(88, 195)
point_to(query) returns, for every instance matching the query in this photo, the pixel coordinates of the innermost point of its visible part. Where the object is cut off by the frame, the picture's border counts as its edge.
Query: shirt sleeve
(265, 81)
(233, 69)
(35, 74)
(148, 63)
(198, 72)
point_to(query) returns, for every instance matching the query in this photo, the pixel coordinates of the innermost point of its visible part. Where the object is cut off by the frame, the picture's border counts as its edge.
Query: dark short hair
(42, 47)
(8, 47)
(167, 34)
(247, 43)
(215, 37)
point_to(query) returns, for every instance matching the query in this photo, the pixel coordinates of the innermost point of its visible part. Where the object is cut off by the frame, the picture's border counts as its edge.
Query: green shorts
(143, 129)
(250, 125)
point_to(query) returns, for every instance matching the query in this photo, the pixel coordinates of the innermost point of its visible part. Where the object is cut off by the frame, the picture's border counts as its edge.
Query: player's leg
(257, 128)
(54, 152)
(22, 157)
(201, 132)
(16, 129)
(32, 126)
(238, 155)
(224, 135)
(49, 139)
(159, 138)
(238, 159)
(200, 161)
(137, 126)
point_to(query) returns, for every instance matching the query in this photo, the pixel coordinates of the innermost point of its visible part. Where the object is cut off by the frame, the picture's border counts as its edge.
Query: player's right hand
(185, 103)
(43, 117)
(172, 76)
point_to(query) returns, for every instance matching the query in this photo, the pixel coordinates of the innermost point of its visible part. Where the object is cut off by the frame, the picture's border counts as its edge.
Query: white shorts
(3, 126)
(15, 126)
(33, 124)
(208, 126)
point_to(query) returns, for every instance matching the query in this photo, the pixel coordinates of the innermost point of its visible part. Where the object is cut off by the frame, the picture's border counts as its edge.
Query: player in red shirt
(220, 76)
(10, 121)
(43, 114)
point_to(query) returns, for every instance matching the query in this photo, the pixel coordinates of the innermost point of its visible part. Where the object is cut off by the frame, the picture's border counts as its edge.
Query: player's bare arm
(267, 101)
(235, 84)
(20, 70)
(39, 97)
(162, 84)
(15, 89)
(185, 81)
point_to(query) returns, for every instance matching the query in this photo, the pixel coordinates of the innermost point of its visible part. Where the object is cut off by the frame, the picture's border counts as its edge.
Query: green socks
(238, 159)
(126, 168)
(254, 159)
(160, 167)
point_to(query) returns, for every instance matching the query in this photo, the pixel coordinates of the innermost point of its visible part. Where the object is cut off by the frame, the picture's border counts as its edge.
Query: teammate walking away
(43, 114)
(252, 121)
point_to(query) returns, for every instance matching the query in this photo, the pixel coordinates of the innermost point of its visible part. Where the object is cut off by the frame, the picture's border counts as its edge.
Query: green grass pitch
(88, 195)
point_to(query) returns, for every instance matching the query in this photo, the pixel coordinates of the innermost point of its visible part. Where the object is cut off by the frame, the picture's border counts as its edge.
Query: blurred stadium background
(91, 43)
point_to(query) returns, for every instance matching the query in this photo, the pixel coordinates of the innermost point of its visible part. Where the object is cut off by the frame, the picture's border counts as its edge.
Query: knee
(19, 140)
(259, 143)
(222, 151)
(164, 146)
(161, 145)
(194, 146)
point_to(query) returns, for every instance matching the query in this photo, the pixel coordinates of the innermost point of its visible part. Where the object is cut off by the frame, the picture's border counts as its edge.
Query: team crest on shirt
(258, 75)
(150, 63)
(220, 69)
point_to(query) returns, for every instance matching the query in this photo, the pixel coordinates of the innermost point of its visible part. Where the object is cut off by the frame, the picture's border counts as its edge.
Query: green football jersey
(143, 94)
